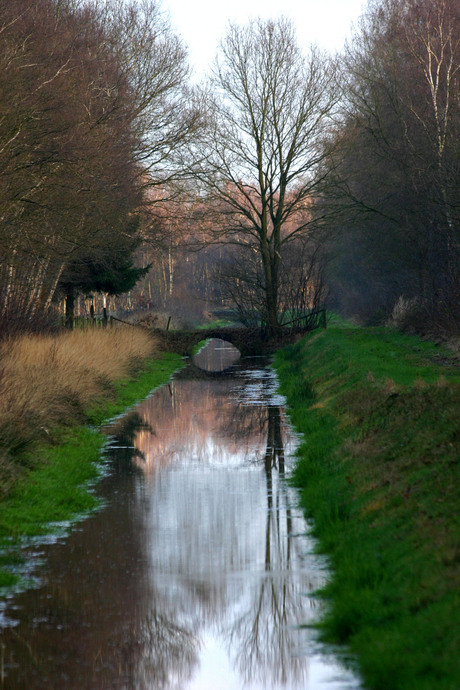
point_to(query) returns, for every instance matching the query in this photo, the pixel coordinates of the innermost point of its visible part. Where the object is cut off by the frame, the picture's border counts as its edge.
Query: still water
(199, 572)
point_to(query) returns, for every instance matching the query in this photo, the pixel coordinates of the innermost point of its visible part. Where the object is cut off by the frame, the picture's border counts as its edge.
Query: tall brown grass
(48, 380)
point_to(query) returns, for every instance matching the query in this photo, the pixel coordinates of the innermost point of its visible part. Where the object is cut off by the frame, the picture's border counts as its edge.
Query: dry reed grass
(49, 380)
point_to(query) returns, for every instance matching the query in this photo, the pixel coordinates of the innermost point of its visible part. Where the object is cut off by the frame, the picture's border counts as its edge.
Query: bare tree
(153, 62)
(301, 286)
(259, 160)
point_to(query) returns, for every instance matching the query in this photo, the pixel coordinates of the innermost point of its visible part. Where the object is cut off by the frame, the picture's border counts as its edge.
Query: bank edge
(378, 470)
(59, 489)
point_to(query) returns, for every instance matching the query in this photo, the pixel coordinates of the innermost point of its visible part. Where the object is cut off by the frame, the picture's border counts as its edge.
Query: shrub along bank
(379, 474)
(57, 390)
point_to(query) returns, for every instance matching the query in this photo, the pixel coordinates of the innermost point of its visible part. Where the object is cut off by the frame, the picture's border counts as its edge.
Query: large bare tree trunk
(260, 158)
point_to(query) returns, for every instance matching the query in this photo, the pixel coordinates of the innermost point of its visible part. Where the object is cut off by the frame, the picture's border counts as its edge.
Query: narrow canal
(199, 572)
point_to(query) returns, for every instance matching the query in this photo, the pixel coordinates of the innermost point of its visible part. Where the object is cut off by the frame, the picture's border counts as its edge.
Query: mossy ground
(379, 474)
(55, 487)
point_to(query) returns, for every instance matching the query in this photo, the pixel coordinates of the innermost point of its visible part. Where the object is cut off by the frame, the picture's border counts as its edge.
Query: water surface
(199, 574)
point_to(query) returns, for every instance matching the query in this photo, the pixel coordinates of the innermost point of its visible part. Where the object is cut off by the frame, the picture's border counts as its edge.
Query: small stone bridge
(249, 341)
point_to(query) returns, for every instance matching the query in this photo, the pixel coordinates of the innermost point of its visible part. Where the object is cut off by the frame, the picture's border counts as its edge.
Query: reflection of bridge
(249, 341)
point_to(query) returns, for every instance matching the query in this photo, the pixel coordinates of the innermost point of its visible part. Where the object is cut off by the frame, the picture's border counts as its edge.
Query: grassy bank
(379, 474)
(56, 390)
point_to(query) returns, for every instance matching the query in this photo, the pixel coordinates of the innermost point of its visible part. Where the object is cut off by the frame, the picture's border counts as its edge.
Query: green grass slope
(379, 474)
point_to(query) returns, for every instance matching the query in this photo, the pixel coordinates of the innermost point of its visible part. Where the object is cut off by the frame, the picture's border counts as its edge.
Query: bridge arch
(217, 356)
(248, 341)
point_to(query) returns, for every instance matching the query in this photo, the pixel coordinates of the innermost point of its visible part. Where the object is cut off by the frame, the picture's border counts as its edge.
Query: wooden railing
(308, 322)
(96, 321)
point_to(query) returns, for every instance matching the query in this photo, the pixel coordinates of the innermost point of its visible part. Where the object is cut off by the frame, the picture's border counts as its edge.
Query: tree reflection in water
(158, 654)
(228, 558)
(200, 558)
(263, 638)
(120, 449)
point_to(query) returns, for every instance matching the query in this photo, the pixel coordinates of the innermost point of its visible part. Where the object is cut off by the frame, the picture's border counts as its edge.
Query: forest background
(109, 195)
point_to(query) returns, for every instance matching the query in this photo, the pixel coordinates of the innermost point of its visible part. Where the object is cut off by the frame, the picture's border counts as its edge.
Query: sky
(202, 23)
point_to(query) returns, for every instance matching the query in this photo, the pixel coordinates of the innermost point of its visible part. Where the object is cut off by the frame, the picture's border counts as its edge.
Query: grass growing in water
(379, 472)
